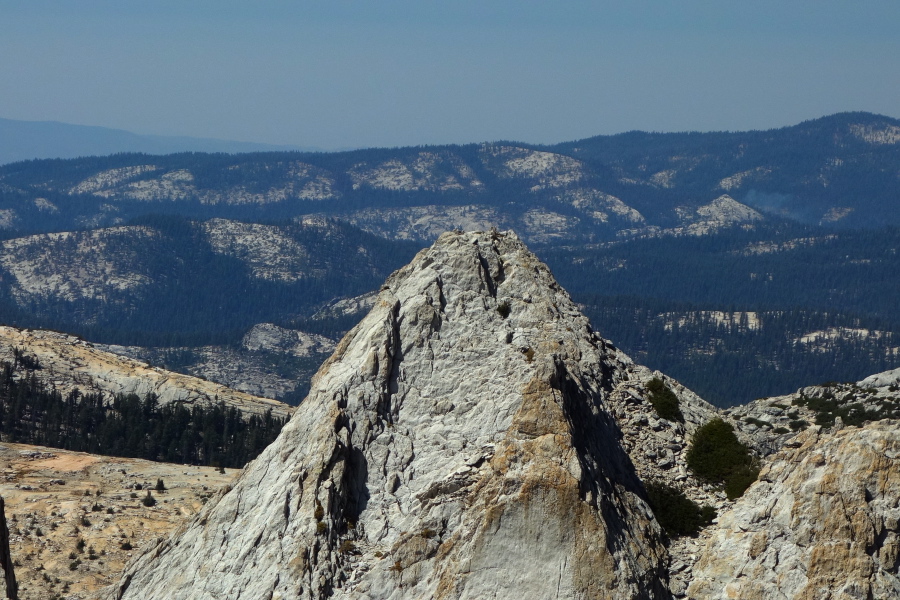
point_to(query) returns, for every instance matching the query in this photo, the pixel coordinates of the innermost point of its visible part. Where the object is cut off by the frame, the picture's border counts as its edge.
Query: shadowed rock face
(7, 570)
(456, 445)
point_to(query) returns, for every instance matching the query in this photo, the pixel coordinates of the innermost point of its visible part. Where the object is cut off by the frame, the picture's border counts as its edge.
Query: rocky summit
(473, 438)
(458, 444)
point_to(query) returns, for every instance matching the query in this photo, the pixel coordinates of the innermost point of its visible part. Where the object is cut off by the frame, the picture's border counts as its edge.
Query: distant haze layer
(26, 140)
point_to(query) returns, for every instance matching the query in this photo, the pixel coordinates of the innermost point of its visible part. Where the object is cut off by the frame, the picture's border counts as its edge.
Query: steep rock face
(821, 523)
(457, 445)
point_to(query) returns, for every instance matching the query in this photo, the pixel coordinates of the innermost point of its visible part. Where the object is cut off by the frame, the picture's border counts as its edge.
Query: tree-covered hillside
(741, 314)
(167, 281)
(665, 238)
(838, 170)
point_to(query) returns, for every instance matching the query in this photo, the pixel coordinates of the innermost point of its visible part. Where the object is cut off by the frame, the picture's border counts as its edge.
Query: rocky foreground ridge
(822, 522)
(68, 363)
(473, 437)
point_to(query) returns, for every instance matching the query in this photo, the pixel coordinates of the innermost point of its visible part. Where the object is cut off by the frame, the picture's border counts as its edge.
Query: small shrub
(428, 533)
(798, 424)
(504, 309)
(126, 546)
(319, 513)
(132, 495)
(781, 430)
(755, 421)
(664, 401)
(321, 527)
(74, 564)
(348, 547)
(160, 486)
(828, 409)
(85, 522)
(148, 500)
(676, 513)
(79, 545)
(716, 455)
(529, 354)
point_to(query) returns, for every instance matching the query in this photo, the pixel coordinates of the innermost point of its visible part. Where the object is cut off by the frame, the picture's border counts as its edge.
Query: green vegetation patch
(716, 455)
(664, 401)
(828, 408)
(757, 422)
(676, 513)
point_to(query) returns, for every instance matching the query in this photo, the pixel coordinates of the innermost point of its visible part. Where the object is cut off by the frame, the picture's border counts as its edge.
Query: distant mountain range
(838, 171)
(28, 140)
(744, 263)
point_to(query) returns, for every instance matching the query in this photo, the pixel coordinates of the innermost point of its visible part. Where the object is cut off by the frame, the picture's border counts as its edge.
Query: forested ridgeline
(127, 425)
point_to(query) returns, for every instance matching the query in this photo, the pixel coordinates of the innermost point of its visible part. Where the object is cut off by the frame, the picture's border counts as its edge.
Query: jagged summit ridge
(456, 445)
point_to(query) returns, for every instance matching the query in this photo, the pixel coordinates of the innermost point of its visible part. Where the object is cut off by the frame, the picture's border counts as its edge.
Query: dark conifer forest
(127, 425)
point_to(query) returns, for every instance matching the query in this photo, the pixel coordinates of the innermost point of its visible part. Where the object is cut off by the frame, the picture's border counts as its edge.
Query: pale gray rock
(821, 523)
(69, 363)
(347, 307)
(767, 424)
(458, 444)
(271, 361)
(268, 337)
(722, 212)
(885, 379)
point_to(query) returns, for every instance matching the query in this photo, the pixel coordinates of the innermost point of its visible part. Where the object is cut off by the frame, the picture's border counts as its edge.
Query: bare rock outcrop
(821, 523)
(458, 444)
(68, 363)
(770, 423)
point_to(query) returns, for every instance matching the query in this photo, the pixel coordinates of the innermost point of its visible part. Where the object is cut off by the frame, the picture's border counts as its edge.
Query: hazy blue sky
(336, 73)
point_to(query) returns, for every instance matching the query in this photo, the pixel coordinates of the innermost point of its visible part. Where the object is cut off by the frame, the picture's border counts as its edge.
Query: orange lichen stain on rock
(830, 564)
(758, 544)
